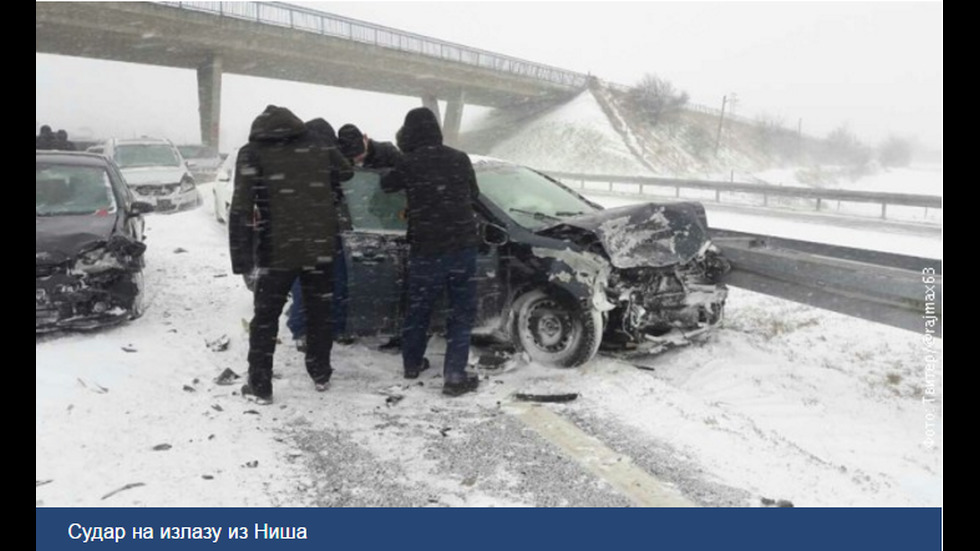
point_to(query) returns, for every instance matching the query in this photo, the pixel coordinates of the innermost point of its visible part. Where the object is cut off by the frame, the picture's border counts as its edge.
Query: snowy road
(784, 403)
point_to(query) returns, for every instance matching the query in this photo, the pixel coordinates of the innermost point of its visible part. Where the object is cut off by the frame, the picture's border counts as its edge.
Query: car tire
(555, 331)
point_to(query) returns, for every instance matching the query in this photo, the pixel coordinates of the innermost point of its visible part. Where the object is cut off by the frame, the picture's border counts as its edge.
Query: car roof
(72, 157)
(141, 140)
(482, 160)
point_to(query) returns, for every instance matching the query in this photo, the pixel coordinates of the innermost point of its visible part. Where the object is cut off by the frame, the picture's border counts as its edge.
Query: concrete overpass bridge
(287, 42)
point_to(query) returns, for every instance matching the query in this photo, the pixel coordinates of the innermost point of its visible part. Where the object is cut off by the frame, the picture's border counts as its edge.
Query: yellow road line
(640, 487)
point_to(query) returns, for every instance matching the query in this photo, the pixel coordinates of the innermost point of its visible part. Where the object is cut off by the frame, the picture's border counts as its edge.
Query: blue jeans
(428, 277)
(296, 320)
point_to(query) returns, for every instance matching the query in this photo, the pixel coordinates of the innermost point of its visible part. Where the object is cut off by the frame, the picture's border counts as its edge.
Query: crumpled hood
(649, 234)
(147, 175)
(61, 238)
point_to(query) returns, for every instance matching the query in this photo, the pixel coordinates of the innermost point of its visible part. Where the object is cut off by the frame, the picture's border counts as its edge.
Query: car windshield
(145, 154)
(68, 190)
(532, 200)
(197, 151)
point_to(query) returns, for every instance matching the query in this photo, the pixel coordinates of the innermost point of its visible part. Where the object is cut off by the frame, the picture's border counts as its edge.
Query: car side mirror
(140, 207)
(495, 235)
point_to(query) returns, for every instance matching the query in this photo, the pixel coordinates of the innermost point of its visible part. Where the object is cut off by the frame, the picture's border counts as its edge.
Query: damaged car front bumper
(102, 286)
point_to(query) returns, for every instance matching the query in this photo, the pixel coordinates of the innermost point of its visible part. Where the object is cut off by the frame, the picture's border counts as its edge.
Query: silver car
(156, 172)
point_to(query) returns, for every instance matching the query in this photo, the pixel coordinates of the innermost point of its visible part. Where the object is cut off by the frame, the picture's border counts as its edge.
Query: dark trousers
(428, 277)
(271, 289)
(296, 316)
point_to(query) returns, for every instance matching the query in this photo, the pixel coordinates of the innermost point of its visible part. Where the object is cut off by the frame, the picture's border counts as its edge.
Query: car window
(65, 189)
(197, 151)
(145, 154)
(370, 207)
(531, 199)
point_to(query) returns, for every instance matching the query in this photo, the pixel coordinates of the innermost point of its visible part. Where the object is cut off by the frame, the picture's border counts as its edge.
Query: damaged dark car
(558, 275)
(89, 243)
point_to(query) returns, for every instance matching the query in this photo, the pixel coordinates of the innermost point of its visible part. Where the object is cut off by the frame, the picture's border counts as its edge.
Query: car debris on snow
(546, 398)
(129, 486)
(219, 344)
(227, 377)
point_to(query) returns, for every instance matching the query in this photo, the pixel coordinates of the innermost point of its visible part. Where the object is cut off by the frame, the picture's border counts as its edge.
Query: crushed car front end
(662, 282)
(100, 285)
(166, 190)
(658, 305)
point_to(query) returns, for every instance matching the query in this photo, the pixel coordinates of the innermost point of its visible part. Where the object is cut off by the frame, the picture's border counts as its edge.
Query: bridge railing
(736, 192)
(304, 19)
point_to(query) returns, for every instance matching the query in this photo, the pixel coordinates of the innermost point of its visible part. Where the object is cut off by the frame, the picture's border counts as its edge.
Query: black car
(89, 243)
(558, 274)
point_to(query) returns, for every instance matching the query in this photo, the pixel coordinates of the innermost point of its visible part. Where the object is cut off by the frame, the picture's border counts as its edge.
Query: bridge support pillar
(432, 102)
(209, 100)
(454, 117)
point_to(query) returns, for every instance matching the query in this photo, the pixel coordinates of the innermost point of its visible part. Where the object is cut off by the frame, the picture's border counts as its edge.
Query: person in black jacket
(443, 236)
(61, 141)
(365, 152)
(45, 138)
(283, 220)
(296, 315)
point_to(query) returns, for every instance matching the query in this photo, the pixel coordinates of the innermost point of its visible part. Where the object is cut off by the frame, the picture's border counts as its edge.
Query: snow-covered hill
(597, 132)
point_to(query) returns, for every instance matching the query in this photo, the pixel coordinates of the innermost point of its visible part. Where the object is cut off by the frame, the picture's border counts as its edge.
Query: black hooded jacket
(283, 212)
(440, 187)
(381, 155)
(323, 130)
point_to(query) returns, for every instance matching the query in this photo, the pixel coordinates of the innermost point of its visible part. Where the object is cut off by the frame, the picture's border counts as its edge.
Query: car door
(375, 251)
(491, 274)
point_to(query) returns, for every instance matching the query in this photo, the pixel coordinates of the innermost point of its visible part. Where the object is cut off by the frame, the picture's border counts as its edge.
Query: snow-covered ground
(784, 402)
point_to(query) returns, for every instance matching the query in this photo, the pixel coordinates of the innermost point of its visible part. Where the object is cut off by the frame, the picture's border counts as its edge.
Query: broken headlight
(186, 183)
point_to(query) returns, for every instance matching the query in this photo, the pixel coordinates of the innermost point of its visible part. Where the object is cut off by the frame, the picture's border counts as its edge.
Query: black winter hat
(322, 129)
(350, 141)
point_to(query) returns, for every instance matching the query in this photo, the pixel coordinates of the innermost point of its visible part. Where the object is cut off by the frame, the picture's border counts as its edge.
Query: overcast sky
(875, 66)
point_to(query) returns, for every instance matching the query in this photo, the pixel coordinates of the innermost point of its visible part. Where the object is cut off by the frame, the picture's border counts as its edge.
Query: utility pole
(721, 121)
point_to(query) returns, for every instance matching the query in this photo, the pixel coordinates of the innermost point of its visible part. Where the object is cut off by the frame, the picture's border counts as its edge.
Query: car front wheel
(555, 332)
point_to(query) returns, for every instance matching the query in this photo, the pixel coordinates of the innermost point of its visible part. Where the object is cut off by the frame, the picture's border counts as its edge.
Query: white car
(223, 187)
(156, 172)
(203, 161)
